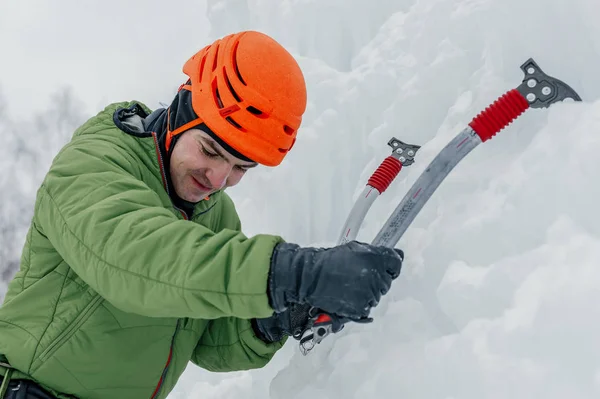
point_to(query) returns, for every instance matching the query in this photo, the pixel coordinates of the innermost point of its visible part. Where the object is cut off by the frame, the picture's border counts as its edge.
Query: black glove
(291, 322)
(346, 280)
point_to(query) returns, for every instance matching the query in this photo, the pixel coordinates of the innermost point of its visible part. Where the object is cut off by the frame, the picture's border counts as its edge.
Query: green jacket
(117, 291)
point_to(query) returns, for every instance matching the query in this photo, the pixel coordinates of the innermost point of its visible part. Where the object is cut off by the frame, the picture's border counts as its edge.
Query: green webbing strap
(5, 382)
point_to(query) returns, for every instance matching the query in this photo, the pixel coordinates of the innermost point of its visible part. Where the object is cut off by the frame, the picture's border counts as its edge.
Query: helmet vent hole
(257, 112)
(235, 95)
(234, 123)
(254, 111)
(216, 95)
(288, 130)
(282, 150)
(202, 64)
(235, 64)
(215, 59)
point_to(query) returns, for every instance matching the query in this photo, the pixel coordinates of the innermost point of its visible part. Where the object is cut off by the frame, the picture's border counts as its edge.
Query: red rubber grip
(499, 115)
(322, 318)
(385, 174)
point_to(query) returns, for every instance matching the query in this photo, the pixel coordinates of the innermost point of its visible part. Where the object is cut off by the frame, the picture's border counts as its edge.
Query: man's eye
(208, 153)
(241, 168)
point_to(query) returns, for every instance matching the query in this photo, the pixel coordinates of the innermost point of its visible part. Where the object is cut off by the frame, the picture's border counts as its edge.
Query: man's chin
(198, 196)
(192, 194)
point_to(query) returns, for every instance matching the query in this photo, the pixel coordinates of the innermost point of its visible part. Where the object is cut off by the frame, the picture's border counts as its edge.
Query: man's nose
(219, 173)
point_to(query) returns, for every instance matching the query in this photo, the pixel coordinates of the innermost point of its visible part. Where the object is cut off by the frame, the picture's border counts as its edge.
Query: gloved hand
(346, 280)
(291, 322)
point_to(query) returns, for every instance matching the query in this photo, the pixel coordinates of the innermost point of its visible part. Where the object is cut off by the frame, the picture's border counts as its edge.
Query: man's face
(200, 166)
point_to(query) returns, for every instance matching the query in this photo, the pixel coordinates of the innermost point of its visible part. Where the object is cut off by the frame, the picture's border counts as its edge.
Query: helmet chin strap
(179, 130)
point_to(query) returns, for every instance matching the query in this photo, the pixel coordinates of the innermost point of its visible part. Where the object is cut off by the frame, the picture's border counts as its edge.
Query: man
(135, 264)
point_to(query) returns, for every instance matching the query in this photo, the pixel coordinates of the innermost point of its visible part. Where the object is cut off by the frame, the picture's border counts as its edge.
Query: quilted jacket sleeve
(229, 343)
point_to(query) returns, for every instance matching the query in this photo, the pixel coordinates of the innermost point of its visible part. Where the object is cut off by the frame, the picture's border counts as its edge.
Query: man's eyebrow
(213, 147)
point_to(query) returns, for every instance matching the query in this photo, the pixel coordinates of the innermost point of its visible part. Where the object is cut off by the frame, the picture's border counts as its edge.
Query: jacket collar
(136, 121)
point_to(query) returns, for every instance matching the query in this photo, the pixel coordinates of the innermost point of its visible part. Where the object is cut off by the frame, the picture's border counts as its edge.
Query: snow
(499, 289)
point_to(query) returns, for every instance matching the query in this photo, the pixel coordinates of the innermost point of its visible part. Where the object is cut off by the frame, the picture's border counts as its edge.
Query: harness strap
(5, 382)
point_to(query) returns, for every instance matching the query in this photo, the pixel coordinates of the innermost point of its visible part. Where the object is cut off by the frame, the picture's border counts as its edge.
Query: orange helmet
(250, 92)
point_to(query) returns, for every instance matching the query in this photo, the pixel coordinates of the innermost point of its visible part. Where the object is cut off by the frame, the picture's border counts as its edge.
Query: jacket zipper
(166, 368)
(170, 357)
